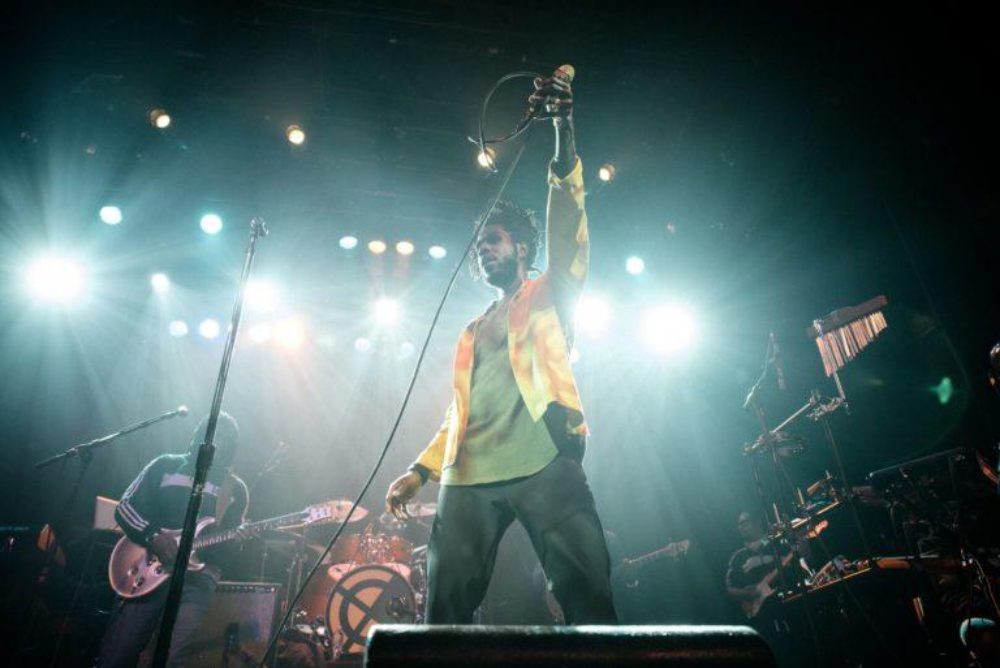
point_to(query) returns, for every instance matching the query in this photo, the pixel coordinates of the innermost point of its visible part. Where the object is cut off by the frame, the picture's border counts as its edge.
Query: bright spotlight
(377, 246)
(348, 242)
(177, 329)
(437, 252)
(404, 247)
(260, 332)
(487, 158)
(160, 119)
(386, 311)
(289, 334)
(261, 296)
(56, 279)
(110, 215)
(592, 314)
(211, 223)
(362, 345)
(635, 265)
(160, 282)
(209, 328)
(669, 329)
(295, 134)
(606, 173)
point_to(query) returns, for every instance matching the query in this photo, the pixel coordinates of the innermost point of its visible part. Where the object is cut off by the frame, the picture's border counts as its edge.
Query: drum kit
(375, 575)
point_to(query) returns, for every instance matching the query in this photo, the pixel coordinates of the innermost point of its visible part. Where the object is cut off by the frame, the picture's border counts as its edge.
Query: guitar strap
(225, 496)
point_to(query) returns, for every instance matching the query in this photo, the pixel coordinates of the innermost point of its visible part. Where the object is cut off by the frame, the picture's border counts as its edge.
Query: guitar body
(134, 571)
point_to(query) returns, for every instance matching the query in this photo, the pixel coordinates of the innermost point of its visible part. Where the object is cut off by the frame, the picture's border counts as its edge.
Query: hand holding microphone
(553, 96)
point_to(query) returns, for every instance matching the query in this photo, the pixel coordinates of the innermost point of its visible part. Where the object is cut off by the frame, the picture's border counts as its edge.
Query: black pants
(557, 509)
(134, 621)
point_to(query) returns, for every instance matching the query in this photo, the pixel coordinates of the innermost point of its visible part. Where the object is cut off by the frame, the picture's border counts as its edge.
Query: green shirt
(501, 441)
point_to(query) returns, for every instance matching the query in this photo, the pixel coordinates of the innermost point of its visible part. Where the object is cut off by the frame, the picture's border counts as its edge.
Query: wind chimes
(844, 333)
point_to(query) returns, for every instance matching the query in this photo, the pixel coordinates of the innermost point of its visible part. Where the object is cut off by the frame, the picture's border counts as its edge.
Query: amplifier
(238, 625)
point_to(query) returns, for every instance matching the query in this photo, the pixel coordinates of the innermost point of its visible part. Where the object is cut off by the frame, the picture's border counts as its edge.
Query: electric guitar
(135, 571)
(624, 573)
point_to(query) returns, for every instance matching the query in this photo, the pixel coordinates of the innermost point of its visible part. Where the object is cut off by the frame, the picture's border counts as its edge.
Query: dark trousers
(134, 621)
(557, 509)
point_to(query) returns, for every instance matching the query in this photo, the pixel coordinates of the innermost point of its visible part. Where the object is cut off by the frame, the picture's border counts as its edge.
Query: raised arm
(566, 239)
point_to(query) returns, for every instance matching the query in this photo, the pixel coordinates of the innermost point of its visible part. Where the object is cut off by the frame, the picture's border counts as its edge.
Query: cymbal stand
(766, 442)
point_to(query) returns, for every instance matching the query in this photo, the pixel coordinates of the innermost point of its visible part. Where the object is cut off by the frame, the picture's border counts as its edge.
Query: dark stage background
(773, 163)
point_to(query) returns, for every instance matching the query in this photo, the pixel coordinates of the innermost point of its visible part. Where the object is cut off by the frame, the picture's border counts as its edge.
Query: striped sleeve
(134, 511)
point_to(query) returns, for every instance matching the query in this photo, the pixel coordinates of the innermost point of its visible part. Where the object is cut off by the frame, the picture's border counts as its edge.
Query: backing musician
(156, 500)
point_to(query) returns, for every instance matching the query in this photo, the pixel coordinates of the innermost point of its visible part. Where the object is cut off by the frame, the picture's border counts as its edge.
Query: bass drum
(364, 596)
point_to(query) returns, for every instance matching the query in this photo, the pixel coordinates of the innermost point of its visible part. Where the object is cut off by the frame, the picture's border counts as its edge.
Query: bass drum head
(367, 595)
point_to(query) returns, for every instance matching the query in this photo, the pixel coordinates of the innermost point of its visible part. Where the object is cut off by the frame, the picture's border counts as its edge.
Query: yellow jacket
(539, 328)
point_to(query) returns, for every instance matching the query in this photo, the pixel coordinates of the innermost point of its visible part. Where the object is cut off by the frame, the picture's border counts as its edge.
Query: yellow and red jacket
(539, 328)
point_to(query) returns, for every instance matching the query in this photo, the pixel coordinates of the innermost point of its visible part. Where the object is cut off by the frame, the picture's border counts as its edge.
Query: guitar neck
(247, 530)
(672, 550)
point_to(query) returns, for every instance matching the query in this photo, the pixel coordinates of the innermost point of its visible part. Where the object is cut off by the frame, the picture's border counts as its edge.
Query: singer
(157, 499)
(512, 441)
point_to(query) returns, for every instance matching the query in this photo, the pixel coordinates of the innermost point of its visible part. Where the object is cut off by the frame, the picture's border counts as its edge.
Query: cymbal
(418, 509)
(338, 512)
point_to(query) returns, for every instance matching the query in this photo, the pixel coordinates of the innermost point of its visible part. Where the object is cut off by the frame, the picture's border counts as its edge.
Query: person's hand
(402, 489)
(553, 98)
(164, 547)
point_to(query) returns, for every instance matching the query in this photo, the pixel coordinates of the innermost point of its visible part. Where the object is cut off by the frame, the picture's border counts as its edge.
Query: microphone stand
(206, 452)
(85, 450)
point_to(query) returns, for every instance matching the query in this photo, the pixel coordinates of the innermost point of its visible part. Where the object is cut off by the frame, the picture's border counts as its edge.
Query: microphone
(779, 366)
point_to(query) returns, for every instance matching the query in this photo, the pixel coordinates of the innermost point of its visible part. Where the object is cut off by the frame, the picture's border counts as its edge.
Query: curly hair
(522, 225)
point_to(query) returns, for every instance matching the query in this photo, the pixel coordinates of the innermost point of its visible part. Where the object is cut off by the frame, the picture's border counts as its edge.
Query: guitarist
(157, 499)
(752, 578)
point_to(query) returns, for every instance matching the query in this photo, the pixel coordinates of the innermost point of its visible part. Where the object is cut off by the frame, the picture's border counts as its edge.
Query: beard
(502, 274)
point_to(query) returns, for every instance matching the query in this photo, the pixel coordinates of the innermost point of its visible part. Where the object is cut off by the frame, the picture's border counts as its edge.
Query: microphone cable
(523, 128)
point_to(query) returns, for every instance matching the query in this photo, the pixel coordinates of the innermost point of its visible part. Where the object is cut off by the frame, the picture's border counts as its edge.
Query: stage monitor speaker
(237, 626)
(412, 646)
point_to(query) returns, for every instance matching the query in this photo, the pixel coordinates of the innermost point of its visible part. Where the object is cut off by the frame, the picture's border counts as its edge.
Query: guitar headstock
(679, 548)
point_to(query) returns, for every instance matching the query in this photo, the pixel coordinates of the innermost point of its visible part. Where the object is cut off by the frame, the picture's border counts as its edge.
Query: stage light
(386, 311)
(110, 215)
(487, 158)
(592, 314)
(669, 329)
(437, 252)
(211, 223)
(289, 334)
(295, 134)
(376, 246)
(209, 328)
(160, 119)
(160, 282)
(362, 345)
(56, 279)
(404, 247)
(260, 332)
(261, 296)
(177, 328)
(348, 242)
(635, 265)
(606, 173)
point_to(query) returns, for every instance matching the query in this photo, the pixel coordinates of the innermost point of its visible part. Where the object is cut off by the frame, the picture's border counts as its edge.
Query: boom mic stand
(205, 454)
(85, 451)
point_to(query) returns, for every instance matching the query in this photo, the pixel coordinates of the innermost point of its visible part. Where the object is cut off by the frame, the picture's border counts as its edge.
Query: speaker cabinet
(237, 626)
(411, 646)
